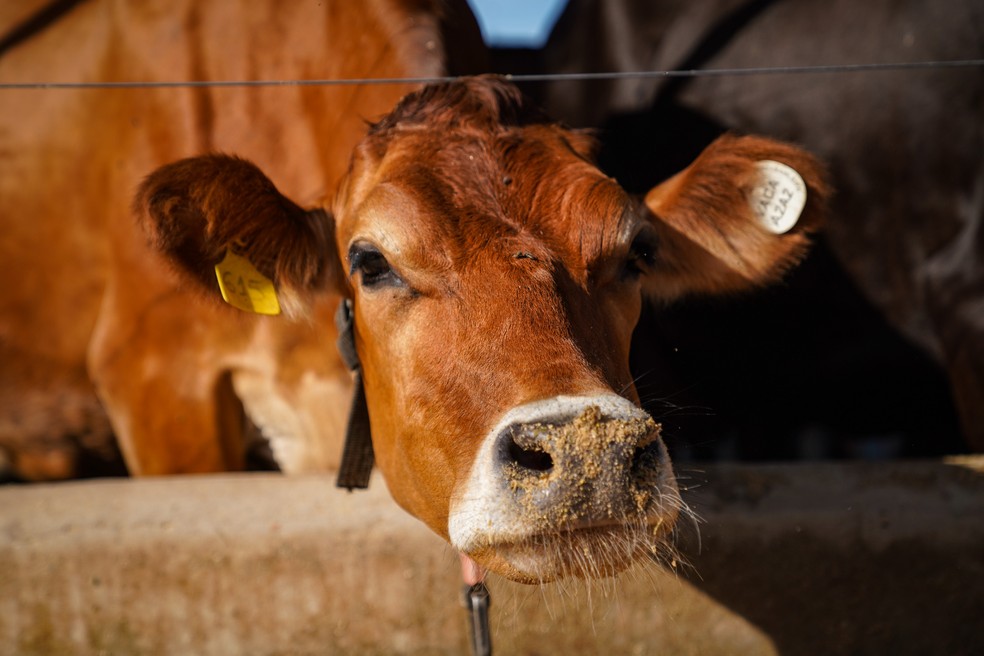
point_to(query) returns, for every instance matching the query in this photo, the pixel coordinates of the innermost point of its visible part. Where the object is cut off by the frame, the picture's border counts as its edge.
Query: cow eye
(642, 255)
(371, 266)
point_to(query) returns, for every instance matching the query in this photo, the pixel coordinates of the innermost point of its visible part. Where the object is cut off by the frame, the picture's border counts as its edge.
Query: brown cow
(83, 298)
(496, 277)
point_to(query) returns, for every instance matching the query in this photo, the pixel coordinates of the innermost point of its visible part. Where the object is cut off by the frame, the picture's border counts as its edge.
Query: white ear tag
(779, 198)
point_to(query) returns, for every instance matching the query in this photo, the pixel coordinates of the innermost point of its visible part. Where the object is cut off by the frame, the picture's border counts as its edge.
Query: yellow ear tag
(244, 287)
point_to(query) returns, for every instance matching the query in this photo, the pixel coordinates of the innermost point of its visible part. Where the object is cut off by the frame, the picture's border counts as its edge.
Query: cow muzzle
(568, 486)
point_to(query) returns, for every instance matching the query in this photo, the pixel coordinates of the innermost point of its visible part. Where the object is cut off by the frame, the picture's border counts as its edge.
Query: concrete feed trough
(836, 558)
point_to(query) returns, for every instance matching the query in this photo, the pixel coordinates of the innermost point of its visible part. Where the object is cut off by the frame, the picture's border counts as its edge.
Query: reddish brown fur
(521, 330)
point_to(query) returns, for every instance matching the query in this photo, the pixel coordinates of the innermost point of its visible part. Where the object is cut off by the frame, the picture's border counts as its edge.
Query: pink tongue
(471, 571)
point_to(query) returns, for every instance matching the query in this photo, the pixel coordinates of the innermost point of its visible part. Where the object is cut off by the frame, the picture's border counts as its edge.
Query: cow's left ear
(224, 226)
(738, 217)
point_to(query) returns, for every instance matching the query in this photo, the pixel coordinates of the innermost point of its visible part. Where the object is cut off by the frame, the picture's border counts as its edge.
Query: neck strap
(357, 455)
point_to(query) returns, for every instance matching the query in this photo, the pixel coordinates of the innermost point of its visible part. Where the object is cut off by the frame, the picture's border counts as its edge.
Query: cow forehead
(436, 198)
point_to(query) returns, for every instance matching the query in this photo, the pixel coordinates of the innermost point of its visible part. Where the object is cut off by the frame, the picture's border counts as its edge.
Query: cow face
(496, 277)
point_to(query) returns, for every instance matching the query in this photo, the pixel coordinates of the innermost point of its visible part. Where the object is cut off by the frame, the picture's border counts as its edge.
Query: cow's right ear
(224, 225)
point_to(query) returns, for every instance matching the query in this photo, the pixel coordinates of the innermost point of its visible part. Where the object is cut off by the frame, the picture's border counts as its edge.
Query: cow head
(496, 277)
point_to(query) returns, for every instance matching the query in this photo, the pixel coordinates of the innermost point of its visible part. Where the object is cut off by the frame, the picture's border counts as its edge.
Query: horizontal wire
(545, 77)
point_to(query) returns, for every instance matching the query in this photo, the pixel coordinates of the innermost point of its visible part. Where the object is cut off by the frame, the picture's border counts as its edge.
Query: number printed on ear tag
(779, 198)
(244, 287)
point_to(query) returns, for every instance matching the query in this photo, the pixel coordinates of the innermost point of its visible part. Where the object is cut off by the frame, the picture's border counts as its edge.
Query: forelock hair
(486, 102)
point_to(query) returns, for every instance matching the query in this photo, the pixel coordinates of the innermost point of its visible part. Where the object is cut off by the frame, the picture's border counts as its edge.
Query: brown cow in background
(84, 300)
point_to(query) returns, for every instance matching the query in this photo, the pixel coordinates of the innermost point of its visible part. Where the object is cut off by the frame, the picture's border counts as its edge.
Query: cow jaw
(569, 486)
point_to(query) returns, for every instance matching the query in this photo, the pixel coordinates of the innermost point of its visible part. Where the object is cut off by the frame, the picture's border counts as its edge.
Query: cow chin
(586, 553)
(567, 487)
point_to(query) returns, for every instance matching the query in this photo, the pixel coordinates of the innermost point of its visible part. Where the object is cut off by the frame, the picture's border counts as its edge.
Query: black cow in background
(906, 155)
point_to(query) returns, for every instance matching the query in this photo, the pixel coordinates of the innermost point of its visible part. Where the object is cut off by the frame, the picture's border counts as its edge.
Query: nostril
(533, 459)
(645, 458)
(642, 462)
